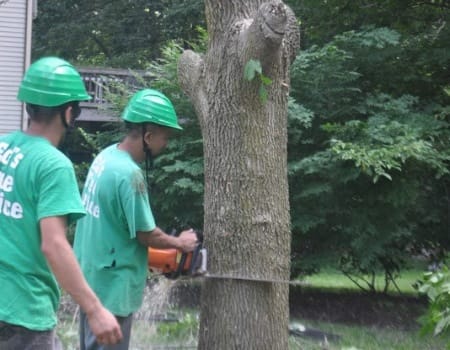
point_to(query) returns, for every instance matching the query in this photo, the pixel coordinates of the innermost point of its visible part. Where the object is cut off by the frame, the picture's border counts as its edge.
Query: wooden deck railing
(97, 81)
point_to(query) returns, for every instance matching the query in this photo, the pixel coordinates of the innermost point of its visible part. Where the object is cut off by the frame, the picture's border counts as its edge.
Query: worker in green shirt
(111, 241)
(39, 198)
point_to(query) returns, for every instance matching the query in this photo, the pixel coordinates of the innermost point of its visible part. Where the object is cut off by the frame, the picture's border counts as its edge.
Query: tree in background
(177, 177)
(239, 89)
(369, 135)
(126, 34)
(136, 34)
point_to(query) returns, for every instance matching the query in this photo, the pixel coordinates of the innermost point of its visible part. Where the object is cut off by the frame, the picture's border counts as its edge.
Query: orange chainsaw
(173, 263)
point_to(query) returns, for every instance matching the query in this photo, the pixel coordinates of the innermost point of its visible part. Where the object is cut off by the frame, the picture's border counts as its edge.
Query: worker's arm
(186, 241)
(63, 263)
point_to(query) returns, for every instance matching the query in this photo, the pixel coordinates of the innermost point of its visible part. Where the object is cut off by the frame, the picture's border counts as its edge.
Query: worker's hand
(104, 326)
(187, 240)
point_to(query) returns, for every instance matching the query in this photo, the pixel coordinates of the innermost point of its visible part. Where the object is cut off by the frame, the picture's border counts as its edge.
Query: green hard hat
(50, 82)
(151, 106)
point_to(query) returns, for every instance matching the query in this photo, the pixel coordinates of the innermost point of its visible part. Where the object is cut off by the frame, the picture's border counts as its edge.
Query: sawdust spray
(157, 300)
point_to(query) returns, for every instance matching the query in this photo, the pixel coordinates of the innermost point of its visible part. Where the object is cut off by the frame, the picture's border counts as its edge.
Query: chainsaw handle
(194, 258)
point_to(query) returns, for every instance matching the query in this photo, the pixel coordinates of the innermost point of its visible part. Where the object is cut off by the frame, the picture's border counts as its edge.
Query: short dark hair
(43, 114)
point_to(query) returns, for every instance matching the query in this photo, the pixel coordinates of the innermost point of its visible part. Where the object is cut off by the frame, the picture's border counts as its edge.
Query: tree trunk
(247, 222)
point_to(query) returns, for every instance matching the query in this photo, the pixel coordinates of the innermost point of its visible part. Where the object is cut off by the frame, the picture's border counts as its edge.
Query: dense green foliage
(437, 287)
(369, 143)
(368, 120)
(177, 178)
(125, 34)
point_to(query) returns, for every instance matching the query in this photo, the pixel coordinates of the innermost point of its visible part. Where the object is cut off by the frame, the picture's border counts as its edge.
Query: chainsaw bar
(236, 278)
(252, 279)
(201, 271)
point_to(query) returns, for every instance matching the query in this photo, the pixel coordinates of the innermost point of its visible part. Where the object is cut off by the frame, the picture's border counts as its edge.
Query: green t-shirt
(113, 261)
(36, 181)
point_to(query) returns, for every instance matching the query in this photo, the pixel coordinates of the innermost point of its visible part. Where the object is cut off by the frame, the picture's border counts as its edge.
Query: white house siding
(15, 35)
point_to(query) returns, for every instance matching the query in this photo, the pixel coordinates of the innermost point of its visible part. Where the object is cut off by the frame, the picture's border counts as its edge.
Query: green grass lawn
(331, 278)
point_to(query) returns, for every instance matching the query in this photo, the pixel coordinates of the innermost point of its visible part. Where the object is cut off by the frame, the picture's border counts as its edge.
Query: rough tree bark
(247, 222)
